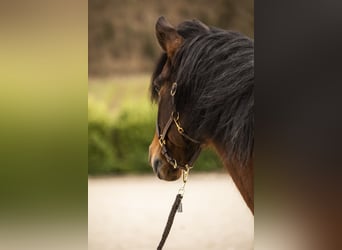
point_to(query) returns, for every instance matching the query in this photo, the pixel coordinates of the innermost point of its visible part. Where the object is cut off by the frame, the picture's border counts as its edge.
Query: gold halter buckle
(185, 179)
(162, 141)
(176, 121)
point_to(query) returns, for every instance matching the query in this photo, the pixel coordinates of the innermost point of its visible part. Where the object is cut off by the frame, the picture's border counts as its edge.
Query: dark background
(121, 33)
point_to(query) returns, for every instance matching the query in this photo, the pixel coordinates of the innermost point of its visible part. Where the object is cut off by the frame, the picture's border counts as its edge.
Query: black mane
(214, 70)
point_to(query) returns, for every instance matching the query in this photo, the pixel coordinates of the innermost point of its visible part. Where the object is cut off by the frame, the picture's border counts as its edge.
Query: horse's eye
(157, 83)
(158, 80)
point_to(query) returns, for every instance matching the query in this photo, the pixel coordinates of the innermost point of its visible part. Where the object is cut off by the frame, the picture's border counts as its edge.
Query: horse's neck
(243, 177)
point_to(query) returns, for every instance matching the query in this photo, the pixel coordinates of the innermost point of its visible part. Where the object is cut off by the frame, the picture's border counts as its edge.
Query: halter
(174, 118)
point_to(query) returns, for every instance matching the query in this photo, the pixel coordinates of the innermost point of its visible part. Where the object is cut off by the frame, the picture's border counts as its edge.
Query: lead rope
(177, 206)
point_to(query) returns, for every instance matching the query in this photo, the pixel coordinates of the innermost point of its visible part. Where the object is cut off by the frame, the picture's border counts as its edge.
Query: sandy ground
(131, 212)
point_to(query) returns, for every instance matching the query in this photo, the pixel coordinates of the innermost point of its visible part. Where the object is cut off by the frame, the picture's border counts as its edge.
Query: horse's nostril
(156, 164)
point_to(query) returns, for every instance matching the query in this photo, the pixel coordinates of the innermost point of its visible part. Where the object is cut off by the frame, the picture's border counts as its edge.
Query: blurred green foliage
(118, 139)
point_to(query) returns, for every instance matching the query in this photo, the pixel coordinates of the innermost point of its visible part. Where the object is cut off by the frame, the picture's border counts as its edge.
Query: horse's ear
(167, 36)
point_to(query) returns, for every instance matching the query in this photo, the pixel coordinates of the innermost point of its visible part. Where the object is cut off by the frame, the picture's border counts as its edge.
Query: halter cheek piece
(174, 118)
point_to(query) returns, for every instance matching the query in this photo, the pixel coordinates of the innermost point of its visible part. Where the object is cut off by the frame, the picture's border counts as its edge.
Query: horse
(203, 84)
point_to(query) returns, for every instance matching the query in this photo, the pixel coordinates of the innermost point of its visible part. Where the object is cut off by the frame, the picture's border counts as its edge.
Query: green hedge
(119, 144)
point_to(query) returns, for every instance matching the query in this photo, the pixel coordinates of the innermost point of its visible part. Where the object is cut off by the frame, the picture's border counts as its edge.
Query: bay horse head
(203, 84)
(173, 149)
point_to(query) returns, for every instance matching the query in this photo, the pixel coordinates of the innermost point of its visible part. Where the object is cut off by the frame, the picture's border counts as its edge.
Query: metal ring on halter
(173, 115)
(173, 89)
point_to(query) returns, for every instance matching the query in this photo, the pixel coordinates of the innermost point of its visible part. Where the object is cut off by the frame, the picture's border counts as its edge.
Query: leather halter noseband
(174, 118)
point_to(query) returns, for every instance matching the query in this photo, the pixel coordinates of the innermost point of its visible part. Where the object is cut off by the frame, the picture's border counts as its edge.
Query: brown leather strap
(162, 135)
